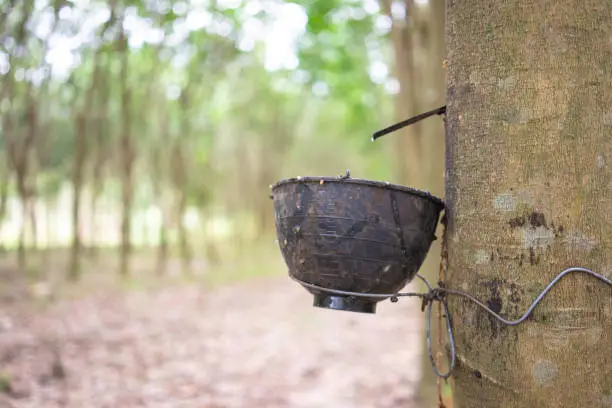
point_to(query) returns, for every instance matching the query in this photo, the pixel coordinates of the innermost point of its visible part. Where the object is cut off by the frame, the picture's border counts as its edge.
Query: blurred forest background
(139, 137)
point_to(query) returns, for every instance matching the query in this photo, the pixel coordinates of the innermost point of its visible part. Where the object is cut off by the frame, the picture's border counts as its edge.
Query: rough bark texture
(529, 172)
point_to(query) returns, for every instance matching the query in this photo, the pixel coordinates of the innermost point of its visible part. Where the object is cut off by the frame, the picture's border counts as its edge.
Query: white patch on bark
(544, 371)
(504, 202)
(506, 83)
(607, 400)
(525, 196)
(524, 115)
(481, 257)
(580, 242)
(607, 118)
(555, 340)
(475, 78)
(600, 162)
(593, 335)
(539, 237)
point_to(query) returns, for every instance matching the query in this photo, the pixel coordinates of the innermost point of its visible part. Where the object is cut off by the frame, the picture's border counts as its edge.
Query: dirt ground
(253, 344)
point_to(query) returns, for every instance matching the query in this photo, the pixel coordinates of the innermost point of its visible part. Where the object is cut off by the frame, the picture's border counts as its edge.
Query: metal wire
(451, 340)
(438, 294)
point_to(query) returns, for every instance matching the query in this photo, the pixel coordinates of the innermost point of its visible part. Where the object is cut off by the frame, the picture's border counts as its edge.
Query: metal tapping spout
(439, 111)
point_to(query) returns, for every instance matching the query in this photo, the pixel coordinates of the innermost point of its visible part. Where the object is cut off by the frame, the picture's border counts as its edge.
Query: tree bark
(529, 156)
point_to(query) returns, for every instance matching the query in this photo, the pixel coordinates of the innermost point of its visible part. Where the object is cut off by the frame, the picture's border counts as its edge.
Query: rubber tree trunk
(529, 167)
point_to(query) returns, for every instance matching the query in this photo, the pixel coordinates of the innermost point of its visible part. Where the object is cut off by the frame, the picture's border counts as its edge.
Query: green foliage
(207, 119)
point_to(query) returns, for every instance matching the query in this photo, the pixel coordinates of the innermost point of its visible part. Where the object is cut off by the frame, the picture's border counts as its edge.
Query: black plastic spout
(410, 121)
(346, 303)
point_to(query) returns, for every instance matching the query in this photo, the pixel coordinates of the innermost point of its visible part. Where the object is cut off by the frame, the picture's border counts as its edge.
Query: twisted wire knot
(435, 294)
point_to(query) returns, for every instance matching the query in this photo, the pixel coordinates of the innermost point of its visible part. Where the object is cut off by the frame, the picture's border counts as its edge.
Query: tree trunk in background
(32, 138)
(48, 234)
(101, 153)
(180, 179)
(418, 43)
(430, 28)
(93, 214)
(17, 163)
(33, 221)
(77, 182)
(183, 236)
(20, 155)
(407, 140)
(265, 217)
(162, 249)
(213, 257)
(4, 195)
(81, 153)
(528, 194)
(127, 160)
(159, 170)
(21, 251)
(97, 185)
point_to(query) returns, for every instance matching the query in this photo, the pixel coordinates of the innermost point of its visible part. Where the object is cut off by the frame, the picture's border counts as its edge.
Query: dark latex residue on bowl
(353, 235)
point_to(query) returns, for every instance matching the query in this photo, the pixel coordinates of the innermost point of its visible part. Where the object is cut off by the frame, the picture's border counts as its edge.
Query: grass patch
(45, 279)
(259, 259)
(5, 382)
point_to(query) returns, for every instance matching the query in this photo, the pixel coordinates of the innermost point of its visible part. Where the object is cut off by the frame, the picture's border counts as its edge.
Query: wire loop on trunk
(439, 294)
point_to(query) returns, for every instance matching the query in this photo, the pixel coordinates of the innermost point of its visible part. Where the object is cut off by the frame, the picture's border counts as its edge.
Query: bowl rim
(370, 183)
